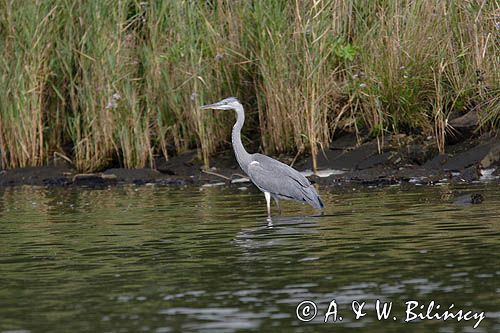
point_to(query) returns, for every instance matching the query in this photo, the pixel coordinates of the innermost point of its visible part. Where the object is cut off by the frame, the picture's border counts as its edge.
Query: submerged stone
(468, 199)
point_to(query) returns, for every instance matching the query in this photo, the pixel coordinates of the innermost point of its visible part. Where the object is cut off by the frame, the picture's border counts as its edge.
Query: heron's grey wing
(282, 181)
(272, 164)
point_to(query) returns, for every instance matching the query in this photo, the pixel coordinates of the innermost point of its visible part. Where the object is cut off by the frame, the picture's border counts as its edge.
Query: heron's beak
(211, 106)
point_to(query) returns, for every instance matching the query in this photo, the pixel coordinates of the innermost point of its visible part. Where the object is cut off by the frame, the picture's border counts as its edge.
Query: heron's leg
(268, 201)
(277, 204)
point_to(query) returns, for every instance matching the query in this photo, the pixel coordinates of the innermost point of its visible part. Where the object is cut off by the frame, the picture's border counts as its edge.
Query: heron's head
(229, 103)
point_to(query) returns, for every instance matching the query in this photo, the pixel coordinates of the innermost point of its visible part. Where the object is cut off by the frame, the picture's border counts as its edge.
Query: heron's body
(275, 179)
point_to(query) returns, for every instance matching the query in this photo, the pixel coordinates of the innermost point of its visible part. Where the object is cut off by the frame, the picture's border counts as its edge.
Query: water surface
(157, 259)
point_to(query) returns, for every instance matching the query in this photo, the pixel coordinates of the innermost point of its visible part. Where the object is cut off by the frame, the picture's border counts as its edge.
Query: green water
(155, 259)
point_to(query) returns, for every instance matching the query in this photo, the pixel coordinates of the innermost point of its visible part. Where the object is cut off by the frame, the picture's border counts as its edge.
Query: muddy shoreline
(348, 160)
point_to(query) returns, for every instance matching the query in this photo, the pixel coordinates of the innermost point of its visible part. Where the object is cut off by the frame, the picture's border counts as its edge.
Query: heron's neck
(242, 156)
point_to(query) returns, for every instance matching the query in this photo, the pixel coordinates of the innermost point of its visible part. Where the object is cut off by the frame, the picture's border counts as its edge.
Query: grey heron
(274, 178)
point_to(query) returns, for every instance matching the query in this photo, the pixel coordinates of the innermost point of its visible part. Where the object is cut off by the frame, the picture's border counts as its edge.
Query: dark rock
(470, 157)
(345, 142)
(166, 171)
(470, 174)
(143, 175)
(175, 181)
(454, 115)
(367, 156)
(468, 121)
(369, 176)
(188, 164)
(324, 159)
(89, 180)
(418, 153)
(462, 127)
(57, 181)
(181, 165)
(476, 198)
(470, 198)
(351, 159)
(341, 159)
(419, 175)
(374, 160)
(227, 160)
(37, 176)
(436, 163)
(492, 158)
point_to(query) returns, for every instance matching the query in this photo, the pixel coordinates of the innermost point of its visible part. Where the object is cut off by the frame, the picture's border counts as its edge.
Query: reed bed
(103, 83)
